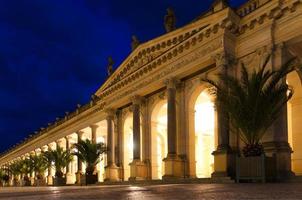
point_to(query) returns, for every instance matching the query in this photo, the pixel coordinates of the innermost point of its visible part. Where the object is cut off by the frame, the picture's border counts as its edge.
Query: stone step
(296, 179)
(172, 181)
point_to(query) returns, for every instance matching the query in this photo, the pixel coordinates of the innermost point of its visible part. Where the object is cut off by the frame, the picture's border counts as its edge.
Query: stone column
(69, 175)
(33, 174)
(80, 170)
(49, 177)
(138, 170)
(136, 129)
(224, 158)
(174, 167)
(58, 144)
(111, 170)
(43, 150)
(171, 114)
(93, 133)
(276, 140)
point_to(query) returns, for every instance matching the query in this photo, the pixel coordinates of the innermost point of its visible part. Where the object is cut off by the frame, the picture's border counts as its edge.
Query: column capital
(93, 126)
(171, 83)
(49, 146)
(80, 133)
(222, 59)
(59, 141)
(44, 148)
(38, 150)
(68, 137)
(136, 99)
(110, 112)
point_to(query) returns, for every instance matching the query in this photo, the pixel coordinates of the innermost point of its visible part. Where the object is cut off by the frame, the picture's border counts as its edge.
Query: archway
(158, 139)
(294, 110)
(204, 135)
(128, 145)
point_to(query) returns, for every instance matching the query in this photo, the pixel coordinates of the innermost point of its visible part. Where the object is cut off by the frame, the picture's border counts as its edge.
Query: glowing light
(204, 135)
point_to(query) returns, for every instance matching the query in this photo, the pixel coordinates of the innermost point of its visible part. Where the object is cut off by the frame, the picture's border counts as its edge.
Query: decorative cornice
(275, 10)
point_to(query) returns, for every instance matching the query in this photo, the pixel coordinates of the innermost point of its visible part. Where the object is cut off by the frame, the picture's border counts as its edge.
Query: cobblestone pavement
(159, 192)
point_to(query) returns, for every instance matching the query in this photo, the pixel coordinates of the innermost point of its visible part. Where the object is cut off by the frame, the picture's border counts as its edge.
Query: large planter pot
(59, 181)
(26, 183)
(40, 182)
(89, 179)
(257, 168)
(16, 182)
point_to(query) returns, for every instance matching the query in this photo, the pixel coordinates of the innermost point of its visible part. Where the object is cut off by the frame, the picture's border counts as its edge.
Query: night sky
(53, 53)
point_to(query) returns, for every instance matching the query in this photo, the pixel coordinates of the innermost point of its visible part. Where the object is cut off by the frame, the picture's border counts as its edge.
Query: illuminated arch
(200, 106)
(128, 144)
(158, 138)
(294, 110)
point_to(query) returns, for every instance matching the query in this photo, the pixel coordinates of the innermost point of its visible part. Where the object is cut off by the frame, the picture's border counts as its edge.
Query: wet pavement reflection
(158, 192)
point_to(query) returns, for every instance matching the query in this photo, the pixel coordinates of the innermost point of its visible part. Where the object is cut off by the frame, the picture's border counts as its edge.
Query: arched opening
(101, 136)
(294, 110)
(159, 139)
(128, 145)
(204, 135)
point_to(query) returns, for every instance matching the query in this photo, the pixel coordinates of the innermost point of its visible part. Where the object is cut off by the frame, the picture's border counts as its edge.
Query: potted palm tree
(253, 103)
(60, 158)
(2, 177)
(90, 154)
(15, 170)
(5, 179)
(39, 166)
(26, 169)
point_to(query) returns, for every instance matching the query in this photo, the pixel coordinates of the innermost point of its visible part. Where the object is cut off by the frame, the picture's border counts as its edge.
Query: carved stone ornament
(110, 66)
(221, 59)
(170, 20)
(135, 43)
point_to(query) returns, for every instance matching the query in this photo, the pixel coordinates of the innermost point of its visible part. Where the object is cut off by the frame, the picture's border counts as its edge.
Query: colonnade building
(155, 113)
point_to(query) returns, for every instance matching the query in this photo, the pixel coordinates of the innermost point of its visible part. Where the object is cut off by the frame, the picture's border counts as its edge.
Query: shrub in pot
(90, 154)
(39, 165)
(60, 159)
(253, 102)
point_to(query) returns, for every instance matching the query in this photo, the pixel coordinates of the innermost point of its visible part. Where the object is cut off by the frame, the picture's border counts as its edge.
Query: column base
(78, 178)
(32, 181)
(138, 170)
(49, 180)
(174, 167)
(70, 179)
(112, 173)
(224, 162)
(282, 151)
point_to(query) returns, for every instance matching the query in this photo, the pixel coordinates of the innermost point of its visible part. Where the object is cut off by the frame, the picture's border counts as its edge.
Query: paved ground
(159, 192)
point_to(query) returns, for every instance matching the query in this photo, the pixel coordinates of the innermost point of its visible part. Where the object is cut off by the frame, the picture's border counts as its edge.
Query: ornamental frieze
(171, 68)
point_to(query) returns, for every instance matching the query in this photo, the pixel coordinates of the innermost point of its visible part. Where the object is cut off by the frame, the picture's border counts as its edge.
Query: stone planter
(26, 183)
(89, 179)
(59, 181)
(16, 182)
(40, 182)
(258, 168)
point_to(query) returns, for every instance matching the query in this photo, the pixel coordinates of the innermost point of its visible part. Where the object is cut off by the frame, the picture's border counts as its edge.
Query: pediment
(146, 53)
(149, 51)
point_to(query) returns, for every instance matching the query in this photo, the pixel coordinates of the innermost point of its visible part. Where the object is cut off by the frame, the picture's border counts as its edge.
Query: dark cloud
(53, 53)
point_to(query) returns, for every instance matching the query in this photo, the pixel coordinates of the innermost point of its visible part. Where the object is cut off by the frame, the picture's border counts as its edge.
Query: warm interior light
(161, 139)
(130, 144)
(204, 135)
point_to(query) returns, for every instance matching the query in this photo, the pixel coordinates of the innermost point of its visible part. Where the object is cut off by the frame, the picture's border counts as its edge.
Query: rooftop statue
(110, 66)
(135, 42)
(170, 20)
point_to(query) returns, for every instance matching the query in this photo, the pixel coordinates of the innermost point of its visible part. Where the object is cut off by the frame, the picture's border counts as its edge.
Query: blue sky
(53, 52)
